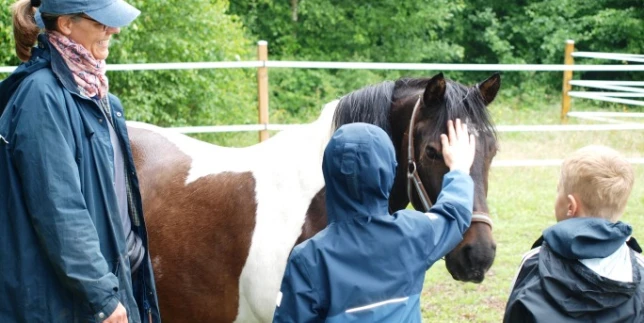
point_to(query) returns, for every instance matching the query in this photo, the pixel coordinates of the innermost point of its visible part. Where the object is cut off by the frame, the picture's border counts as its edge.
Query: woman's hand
(118, 316)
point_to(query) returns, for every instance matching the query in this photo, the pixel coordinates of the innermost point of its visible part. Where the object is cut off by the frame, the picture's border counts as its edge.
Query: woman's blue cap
(112, 13)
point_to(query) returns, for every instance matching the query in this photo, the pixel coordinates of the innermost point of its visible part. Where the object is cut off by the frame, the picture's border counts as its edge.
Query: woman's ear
(65, 25)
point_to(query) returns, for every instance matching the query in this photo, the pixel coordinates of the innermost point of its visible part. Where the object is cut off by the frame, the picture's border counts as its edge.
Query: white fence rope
(608, 114)
(602, 97)
(614, 56)
(543, 162)
(600, 119)
(624, 83)
(566, 128)
(614, 94)
(604, 86)
(501, 128)
(363, 65)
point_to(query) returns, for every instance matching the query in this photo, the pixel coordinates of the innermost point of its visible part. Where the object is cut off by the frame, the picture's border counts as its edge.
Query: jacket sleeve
(515, 309)
(46, 163)
(450, 216)
(297, 300)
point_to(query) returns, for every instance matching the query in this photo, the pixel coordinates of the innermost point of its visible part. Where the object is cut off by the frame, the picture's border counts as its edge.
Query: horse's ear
(490, 87)
(435, 90)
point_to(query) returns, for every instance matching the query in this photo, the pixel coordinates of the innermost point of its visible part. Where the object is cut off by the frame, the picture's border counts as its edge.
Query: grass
(521, 201)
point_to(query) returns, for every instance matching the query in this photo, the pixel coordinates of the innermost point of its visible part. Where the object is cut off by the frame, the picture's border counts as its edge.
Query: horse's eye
(433, 153)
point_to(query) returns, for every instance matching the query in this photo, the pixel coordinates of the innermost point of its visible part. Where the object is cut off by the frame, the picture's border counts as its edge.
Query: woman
(73, 244)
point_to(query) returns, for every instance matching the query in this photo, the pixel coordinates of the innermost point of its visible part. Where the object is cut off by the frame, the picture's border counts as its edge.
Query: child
(582, 269)
(367, 265)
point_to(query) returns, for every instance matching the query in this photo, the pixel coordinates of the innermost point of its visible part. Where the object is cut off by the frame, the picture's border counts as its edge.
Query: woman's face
(94, 36)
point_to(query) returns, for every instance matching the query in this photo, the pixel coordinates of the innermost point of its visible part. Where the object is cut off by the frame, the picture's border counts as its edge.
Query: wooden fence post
(262, 88)
(567, 77)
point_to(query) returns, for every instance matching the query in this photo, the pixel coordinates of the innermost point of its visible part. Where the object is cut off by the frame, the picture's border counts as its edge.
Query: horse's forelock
(460, 101)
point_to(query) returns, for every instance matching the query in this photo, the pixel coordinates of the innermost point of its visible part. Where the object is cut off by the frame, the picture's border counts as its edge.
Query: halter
(414, 178)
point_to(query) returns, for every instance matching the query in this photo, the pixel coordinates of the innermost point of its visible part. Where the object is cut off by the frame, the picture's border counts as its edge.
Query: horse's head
(390, 105)
(442, 100)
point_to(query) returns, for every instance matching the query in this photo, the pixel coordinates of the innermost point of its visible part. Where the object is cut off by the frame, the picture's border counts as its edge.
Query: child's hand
(459, 148)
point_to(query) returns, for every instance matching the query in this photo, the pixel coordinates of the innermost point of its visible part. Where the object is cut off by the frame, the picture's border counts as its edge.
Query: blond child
(582, 269)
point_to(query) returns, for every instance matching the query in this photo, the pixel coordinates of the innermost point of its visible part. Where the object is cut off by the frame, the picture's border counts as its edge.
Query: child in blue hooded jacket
(368, 265)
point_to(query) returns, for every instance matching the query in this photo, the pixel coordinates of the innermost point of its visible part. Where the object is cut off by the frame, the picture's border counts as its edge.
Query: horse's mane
(372, 104)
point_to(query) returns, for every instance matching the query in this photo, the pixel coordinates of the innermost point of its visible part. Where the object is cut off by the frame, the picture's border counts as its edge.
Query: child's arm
(452, 213)
(450, 216)
(297, 298)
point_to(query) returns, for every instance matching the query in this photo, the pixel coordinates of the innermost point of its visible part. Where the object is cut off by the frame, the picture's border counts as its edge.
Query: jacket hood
(585, 238)
(359, 167)
(577, 289)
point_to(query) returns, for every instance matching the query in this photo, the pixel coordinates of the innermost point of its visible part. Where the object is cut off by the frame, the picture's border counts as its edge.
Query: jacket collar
(58, 65)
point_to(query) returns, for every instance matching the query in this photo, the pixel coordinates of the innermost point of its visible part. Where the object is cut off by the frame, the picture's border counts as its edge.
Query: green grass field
(521, 201)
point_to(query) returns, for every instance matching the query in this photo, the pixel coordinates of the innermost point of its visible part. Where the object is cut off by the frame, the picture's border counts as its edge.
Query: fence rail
(365, 66)
(544, 162)
(630, 89)
(263, 63)
(501, 128)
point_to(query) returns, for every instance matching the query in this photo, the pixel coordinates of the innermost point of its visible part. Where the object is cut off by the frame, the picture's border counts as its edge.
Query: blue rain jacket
(368, 265)
(63, 252)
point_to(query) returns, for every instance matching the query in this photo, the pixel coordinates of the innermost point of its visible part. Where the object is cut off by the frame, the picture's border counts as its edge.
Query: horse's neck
(303, 142)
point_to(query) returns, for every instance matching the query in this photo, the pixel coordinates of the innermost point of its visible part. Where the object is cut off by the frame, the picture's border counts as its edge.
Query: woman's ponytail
(25, 30)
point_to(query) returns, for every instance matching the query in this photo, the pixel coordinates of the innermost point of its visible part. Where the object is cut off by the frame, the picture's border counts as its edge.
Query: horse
(222, 221)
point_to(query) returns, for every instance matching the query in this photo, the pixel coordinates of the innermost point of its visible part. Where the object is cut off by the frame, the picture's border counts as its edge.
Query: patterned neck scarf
(89, 73)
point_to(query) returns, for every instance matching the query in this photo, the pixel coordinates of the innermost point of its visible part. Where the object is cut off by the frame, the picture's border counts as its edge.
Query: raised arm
(452, 213)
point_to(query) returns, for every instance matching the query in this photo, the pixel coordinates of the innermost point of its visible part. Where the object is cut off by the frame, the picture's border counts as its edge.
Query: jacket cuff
(457, 172)
(107, 310)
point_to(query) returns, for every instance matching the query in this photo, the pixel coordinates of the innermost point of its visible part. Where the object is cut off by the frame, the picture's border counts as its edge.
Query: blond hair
(601, 178)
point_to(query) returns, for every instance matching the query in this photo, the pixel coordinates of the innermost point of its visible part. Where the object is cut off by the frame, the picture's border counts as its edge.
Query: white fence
(366, 66)
(623, 92)
(628, 89)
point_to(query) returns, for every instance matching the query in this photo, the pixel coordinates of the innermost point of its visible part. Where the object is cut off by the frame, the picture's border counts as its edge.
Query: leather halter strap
(413, 179)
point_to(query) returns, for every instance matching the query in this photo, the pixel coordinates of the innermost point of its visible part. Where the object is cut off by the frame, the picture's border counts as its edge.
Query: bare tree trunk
(294, 10)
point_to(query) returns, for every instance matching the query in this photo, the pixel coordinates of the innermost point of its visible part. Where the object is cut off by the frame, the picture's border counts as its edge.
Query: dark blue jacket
(63, 253)
(554, 286)
(367, 265)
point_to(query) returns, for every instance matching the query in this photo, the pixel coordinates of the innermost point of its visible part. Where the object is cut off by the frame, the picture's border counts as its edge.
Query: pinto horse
(222, 221)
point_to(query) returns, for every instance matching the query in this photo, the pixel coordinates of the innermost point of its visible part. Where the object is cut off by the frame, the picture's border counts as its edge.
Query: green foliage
(184, 31)
(386, 31)
(7, 53)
